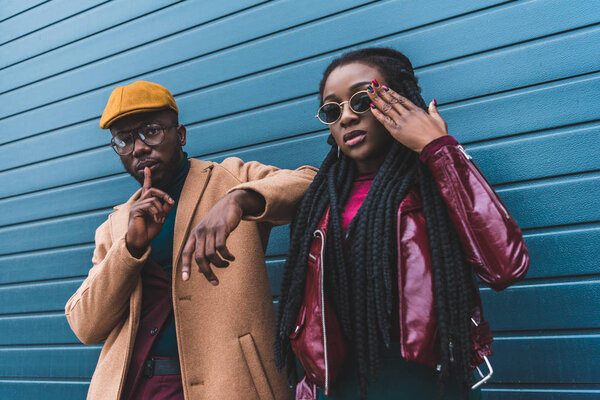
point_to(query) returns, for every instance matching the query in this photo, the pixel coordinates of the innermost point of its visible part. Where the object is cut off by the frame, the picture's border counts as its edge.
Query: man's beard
(167, 176)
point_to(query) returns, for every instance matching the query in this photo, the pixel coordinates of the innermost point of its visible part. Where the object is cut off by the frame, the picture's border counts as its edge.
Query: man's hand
(207, 241)
(147, 216)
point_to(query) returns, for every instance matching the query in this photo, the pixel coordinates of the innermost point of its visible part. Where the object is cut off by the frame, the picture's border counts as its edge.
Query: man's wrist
(251, 203)
(135, 251)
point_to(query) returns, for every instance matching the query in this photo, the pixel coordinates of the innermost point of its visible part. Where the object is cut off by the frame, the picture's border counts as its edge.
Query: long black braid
(361, 279)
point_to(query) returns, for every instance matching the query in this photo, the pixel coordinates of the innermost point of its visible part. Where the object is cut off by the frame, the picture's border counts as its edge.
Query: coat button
(153, 331)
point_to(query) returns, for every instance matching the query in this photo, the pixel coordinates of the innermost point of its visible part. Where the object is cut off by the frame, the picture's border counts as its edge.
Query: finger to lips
(147, 179)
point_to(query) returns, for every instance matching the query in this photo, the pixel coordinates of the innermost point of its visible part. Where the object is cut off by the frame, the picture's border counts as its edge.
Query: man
(170, 334)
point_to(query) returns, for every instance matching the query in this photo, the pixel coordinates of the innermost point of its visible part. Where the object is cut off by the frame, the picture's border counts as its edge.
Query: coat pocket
(256, 368)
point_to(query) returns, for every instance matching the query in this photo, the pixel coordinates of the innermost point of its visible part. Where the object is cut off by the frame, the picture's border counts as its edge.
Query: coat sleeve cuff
(435, 145)
(282, 192)
(128, 260)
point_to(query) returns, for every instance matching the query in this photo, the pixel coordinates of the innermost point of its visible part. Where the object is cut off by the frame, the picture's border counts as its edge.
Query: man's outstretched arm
(265, 194)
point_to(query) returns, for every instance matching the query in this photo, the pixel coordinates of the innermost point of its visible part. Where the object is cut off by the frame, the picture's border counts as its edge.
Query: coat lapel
(193, 188)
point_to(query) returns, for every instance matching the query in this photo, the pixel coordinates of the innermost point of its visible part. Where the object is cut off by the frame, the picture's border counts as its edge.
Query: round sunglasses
(330, 112)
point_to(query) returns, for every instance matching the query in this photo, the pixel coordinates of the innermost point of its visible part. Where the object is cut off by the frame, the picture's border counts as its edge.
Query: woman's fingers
(435, 114)
(385, 120)
(382, 105)
(400, 103)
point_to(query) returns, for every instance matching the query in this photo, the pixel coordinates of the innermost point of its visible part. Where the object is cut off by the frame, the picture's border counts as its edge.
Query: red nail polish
(434, 102)
(375, 83)
(385, 88)
(372, 106)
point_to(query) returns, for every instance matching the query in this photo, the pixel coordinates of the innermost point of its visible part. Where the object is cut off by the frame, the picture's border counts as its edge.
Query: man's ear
(182, 135)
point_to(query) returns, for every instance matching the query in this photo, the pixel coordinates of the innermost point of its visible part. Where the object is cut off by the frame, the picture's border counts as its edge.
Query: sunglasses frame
(340, 105)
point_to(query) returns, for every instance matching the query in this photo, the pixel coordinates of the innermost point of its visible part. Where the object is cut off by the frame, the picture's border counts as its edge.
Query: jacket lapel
(193, 188)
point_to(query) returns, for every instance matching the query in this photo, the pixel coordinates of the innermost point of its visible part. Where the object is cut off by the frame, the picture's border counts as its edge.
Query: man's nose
(139, 147)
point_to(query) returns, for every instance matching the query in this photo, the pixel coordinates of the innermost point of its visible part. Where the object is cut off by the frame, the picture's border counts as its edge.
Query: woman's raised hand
(407, 123)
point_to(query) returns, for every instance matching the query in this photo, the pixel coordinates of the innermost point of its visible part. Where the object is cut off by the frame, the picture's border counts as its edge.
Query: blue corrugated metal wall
(518, 82)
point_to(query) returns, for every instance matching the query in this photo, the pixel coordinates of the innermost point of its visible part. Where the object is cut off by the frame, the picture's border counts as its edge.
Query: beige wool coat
(224, 333)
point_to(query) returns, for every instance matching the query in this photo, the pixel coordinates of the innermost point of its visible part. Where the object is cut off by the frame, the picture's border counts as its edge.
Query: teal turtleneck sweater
(162, 253)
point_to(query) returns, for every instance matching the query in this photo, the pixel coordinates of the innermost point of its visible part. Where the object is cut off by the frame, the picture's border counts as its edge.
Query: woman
(378, 293)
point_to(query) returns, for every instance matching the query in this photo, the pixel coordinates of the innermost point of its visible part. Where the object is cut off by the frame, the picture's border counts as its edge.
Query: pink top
(358, 193)
(363, 182)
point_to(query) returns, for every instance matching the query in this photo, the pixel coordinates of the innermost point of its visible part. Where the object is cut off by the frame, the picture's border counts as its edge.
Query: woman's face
(360, 136)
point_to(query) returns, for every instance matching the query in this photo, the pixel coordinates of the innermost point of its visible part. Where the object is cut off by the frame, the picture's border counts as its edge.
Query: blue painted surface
(517, 81)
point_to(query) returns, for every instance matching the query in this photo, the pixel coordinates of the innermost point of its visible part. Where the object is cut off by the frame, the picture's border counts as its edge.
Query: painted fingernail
(370, 89)
(214, 283)
(375, 83)
(185, 276)
(372, 106)
(434, 102)
(385, 88)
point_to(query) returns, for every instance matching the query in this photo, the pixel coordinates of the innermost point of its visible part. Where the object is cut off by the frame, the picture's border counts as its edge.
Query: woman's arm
(490, 237)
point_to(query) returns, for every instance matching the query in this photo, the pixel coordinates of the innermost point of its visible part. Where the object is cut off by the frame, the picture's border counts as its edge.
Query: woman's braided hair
(361, 278)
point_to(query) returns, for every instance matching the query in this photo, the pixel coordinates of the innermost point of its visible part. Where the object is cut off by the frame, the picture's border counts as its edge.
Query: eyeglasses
(330, 112)
(123, 143)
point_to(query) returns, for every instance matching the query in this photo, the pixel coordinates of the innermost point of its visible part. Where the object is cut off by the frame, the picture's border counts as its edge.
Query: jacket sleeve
(99, 303)
(490, 237)
(282, 189)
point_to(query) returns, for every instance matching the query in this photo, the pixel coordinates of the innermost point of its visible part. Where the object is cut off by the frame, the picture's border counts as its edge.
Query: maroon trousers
(157, 304)
(166, 387)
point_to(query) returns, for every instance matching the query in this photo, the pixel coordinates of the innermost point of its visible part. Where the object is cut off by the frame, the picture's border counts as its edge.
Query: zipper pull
(451, 349)
(462, 150)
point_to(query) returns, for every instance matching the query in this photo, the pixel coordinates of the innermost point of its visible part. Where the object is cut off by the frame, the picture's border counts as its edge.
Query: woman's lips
(355, 138)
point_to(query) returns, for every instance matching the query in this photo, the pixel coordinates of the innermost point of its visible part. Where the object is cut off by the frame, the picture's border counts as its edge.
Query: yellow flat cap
(137, 97)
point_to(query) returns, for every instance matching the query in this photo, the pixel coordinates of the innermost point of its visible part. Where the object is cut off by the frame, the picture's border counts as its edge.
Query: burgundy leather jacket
(491, 240)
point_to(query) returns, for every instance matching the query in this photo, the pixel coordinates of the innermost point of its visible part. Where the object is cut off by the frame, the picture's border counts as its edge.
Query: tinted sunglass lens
(329, 113)
(360, 102)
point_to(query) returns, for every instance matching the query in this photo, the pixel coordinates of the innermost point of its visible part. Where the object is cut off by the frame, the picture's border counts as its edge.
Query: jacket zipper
(400, 284)
(322, 289)
(484, 181)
